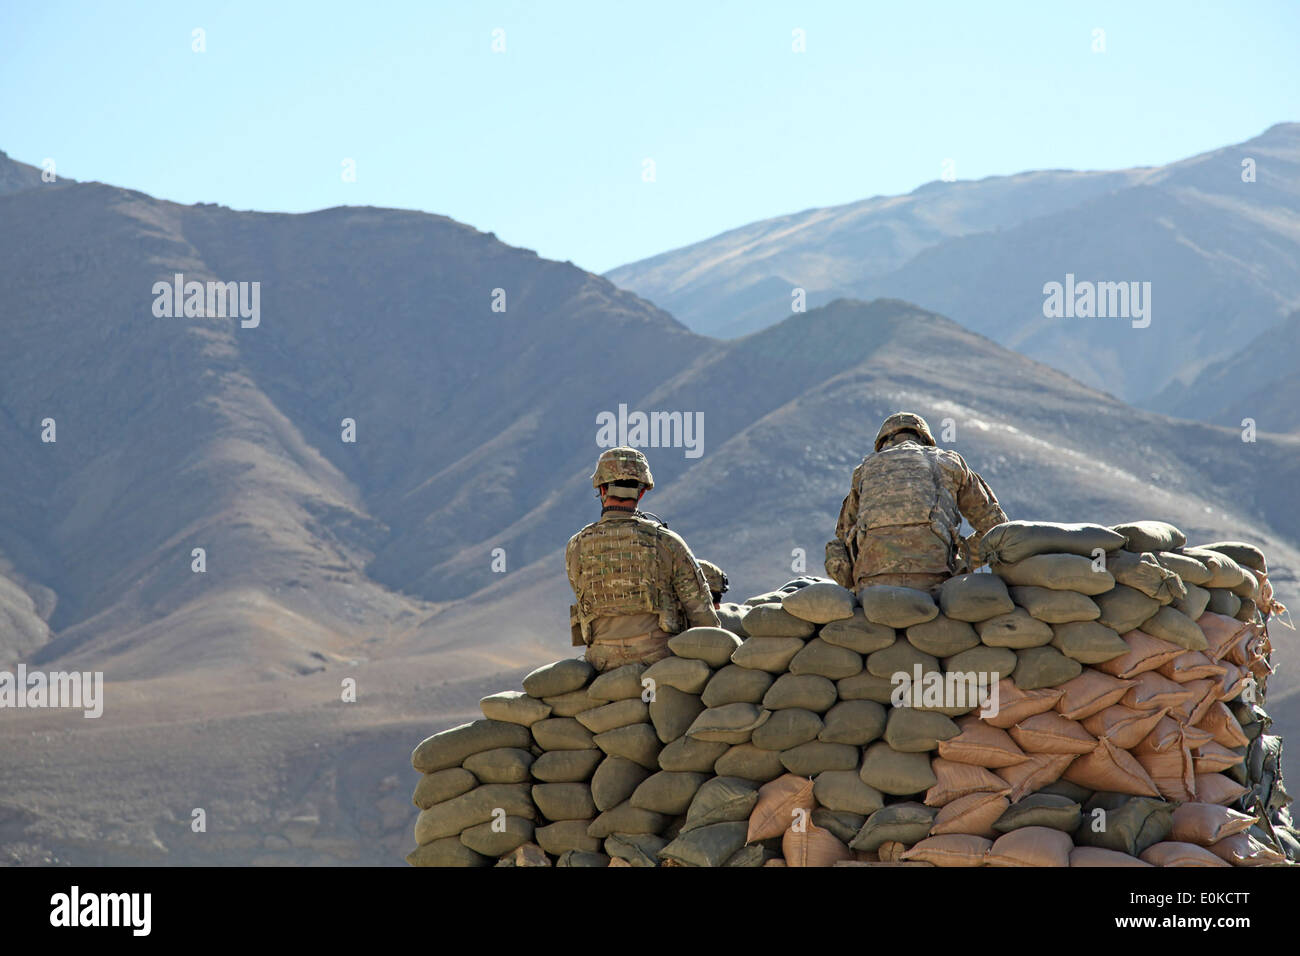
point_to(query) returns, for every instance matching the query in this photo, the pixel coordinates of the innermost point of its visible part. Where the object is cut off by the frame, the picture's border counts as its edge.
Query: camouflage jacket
(903, 512)
(627, 563)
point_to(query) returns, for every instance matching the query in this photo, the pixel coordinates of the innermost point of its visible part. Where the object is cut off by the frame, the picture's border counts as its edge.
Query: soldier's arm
(978, 503)
(848, 511)
(570, 565)
(692, 590)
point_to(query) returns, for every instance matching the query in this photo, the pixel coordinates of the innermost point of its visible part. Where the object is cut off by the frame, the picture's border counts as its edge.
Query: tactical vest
(623, 567)
(905, 485)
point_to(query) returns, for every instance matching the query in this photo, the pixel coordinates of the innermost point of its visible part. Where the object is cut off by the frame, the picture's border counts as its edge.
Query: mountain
(1222, 256)
(354, 597)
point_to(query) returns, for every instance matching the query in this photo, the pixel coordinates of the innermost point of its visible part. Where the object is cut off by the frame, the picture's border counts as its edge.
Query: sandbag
(564, 801)
(562, 733)
(502, 765)
(687, 676)
(826, 660)
(1180, 854)
(734, 684)
(897, 607)
(856, 722)
(1041, 810)
(772, 620)
(1083, 856)
(721, 800)
(987, 663)
(732, 617)
(580, 858)
(1188, 568)
(956, 780)
(1145, 653)
(974, 814)
(1124, 609)
(916, 731)
(448, 851)
(781, 802)
(1060, 572)
(626, 818)
(814, 757)
(730, 723)
(1194, 602)
(442, 785)
(974, 597)
(672, 713)
(449, 748)
(566, 766)
(1037, 772)
(1150, 536)
(954, 849)
(771, 654)
(477, 806)
(858, 634)
(943, 636)
(1016, 703)
(565, 835)
(810, 845)
(844, 826)
(667, 792)
(689, 754)
(1247, 555)
(515, 707)
(747, 761)
(906, 823)
(1039, 667)
(1016, 629)
(1223, 601)
(1108, 768)
(620, 683)
(1056, 607)
(1090, 692)
(638, 849)
(619, 713)
(1123, 726)
(1050, 733)
(571, 704)
(1143, 573)
(820, 603)
(560, 677)
(844, 791)
(1031, 846)
(900, 658)
(865, 686)
(496, 840)
(981, 744)
(1242, 849)
(1088, 642)
(787, 728)
(1014, 541)
(636, 742)
(806, 691)
(712, 645)
(894, 772)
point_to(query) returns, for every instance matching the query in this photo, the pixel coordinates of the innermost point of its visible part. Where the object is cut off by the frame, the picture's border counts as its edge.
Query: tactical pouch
(575, 627)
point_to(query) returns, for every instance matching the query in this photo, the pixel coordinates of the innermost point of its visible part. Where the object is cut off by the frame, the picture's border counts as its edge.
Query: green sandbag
(905, 823)
(787, 728)
(1072, 791)
(841, 825)
(691, 755)
(1128, 824)
(571, 704)
(865, 686)
(1224, 571)
(943, 636)
(559, 838)
(1177, 628)
(459, 813)
(1150, 536)
(1124, 609)
(450, 747)
(495, 838)
(1056, 607)
(1015, 630)
(856, 722)
(562, 733)
(673, 712)
(820, 603)
(582, 859)
(667, 792)
(751, 855)
(730, 723)
(843, 790)
(638, 849)
(721, 800)
(710, 845)
(897, 607)
(900, 658)
(1038, 667)
(1247, 555)
(1041, 810)
(974, 597)
(772, 620)
(1144, 573)
(561, 677)
(1061, 572)
(712, 645)
(805, 691)
(993, 663)
(564, 801)
(689, 677)
(615, 780)
(636, 742)
(732, 617)
(814, 757)
(442, 785)
(1188, 568)
(826, 660)
(1224, 602)
(503, 765)
(620, 713)
(750, 763)
(566, 766)
(909, 730)
(620, 683)
(514, 707)
(771, 654)
(858, 634)
(626, 818)
(448, 851)
(734, 684)
(1014, 541)
(1088, 642)
(895, 773)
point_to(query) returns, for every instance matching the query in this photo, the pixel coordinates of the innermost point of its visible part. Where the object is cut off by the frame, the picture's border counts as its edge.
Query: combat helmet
(714, 576)
(901, 422)
(622, 464)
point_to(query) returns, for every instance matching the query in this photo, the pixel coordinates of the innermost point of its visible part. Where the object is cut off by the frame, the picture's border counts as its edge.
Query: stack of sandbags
(1115, 694)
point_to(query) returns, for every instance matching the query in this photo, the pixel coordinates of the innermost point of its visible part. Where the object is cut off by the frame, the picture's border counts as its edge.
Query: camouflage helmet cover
(714, 576)
(901, 422)
(622, 464)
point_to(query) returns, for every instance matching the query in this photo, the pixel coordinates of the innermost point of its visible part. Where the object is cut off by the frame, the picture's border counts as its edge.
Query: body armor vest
(905, 485)
(624, 569)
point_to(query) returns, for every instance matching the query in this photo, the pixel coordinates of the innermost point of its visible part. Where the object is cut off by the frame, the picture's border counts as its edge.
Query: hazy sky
(545, 143)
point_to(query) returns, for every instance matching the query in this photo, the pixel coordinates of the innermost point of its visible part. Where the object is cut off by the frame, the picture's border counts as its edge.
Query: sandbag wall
(1128, 673)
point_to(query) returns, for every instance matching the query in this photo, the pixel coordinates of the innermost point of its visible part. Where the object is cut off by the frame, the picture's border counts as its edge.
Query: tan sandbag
(771, 654)
(1215, 758)
(1050, 733)
(858, 634)
(1171, 772)
(1125, 727)
(1089, 693)
(1202, 695)
(514, 707)
(1016, 629)
(1146, 653)
(571, 704)
(1221, 633)
(953, 849)
(974, 814)
(1018, 540)
(772, 620)
(712, 645)
(442, 785)
(1232, 681)
(897, 607)
(1191, 665)
(1152, 691)
(1195, 737)
(944, 636)
(1171, 853)
(449, 748)
(1031, 846)
(1144, 573)
(1216, 788)
(1242, 849)
(1188, 568)
(1163, 737)
(804, 691)
(810, 845)
(1038, 771)
(1150, 536)
(981, 744)
(619, 713)
(780, 803)
(1060, 572)
(1015, 704)
(826, 660)
(974, 597)
(953, 780)
(1111, 769)
(820, 603)
(620, 683)
(1056, 607)
(1207, 823)
(1082, 856)
(687, 676)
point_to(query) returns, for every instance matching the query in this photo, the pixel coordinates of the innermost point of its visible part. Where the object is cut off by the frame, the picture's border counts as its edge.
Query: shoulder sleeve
(689, 584)
(570, 561)
(976, 499)
(848, 509)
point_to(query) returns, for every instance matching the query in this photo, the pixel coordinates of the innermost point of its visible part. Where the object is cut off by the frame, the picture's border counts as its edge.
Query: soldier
(716, 578)
(900, 522)
(636, 582)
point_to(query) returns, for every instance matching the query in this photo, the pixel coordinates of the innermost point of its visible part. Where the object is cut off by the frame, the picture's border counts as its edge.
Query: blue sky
(544, 143)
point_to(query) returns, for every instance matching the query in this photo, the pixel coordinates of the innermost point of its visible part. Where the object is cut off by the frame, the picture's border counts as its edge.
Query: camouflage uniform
(900, 521)
(636, 582)
(716, 578)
